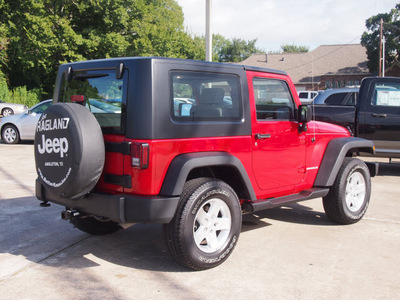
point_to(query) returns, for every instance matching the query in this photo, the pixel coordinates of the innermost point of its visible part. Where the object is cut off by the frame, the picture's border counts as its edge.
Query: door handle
(260, 136)
(375, 115)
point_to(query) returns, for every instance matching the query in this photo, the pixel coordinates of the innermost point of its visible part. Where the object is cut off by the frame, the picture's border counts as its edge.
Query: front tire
(10, 134)
(206, 226)
(348, 199)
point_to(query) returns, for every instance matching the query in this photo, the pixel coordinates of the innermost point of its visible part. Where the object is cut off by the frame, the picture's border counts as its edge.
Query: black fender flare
(182, 164)
(334, 155)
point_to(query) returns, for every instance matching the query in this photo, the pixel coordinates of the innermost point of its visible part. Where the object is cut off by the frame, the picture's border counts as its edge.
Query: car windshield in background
(102, 93)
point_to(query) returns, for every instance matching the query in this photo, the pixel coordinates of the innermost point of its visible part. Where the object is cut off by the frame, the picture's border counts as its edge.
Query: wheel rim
(212, 225)
(9, 135)
(355, 191)
(6, 113)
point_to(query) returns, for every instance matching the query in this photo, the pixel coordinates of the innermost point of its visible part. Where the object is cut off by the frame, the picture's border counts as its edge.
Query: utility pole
(383, 56)
(380, 49)
(208, 31)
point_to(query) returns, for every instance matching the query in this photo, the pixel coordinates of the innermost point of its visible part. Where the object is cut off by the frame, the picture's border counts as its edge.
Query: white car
(8, 109)
(19, 127)
(307, 97)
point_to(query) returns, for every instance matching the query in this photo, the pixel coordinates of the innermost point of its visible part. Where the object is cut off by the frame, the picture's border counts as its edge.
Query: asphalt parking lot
(291, 252)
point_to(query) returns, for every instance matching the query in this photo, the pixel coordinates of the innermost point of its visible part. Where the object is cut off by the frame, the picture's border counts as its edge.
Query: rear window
(198, 96)
(102, 93)
(336, 99)
(303, 95)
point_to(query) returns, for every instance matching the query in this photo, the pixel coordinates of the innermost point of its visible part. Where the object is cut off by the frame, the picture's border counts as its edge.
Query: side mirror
(304, 116)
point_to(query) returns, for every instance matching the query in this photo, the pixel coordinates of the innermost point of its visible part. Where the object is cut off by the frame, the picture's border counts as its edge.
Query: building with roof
(328, 66)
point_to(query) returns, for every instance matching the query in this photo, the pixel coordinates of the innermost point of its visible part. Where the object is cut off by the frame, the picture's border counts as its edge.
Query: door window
(386, 94)
(273, 99)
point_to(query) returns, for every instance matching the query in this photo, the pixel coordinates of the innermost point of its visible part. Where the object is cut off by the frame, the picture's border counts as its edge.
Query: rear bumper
(119, 208)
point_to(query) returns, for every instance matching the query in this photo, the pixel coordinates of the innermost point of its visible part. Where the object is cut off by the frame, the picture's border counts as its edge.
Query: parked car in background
(373, 115)
(22, 126)
(8, 109)
(344, 96)
(307, 96)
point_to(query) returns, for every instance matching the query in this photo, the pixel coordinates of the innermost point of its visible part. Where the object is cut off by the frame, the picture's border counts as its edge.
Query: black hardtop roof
(178, 61)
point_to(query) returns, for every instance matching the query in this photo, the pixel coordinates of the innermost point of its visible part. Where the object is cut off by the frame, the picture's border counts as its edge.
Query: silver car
(22, 126)
(8, 109)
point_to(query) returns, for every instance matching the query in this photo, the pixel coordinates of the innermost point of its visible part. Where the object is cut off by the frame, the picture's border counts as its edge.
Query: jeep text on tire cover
(191, 145)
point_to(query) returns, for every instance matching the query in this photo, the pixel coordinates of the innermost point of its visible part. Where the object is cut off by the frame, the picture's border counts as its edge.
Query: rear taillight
(140, 155)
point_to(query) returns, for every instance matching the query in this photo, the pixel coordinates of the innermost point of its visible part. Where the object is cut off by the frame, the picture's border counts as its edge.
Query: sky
(280, 22)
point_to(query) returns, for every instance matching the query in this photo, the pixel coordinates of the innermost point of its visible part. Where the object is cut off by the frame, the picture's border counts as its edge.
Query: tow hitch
(69, 214)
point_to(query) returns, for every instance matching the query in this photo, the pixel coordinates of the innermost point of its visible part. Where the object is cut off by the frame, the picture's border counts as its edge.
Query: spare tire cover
(69, 150)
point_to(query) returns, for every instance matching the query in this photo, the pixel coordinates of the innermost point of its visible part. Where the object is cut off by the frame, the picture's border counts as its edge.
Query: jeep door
(278, 146)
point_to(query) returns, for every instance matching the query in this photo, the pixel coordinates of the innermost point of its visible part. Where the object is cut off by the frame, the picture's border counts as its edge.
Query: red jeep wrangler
(192, 145)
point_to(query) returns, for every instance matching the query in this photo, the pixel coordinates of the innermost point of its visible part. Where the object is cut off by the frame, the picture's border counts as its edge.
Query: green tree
(235, 50)
(294, 49)
(371, 38)
(42, 34)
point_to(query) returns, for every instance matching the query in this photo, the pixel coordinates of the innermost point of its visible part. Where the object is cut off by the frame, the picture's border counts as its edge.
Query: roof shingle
(324, 60)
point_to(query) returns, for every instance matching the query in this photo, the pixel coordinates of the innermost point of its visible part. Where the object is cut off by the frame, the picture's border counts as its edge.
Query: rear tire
(206, 226)
(348, 199)
(7, 112)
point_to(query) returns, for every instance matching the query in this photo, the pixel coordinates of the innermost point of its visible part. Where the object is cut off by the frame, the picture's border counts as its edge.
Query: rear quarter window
(336, 99)
(202, 96)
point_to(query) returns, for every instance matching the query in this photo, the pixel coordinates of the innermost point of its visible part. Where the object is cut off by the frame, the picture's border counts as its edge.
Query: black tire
(69, 150)
(348, 199)
(216, 205)
(7, 112)
(95, 225)
(10, 134)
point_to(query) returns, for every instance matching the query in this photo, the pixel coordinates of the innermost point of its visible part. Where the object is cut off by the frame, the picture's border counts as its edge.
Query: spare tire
(69, 150)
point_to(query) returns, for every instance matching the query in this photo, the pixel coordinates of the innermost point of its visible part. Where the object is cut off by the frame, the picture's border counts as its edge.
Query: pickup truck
(191, 145)
(375, 116)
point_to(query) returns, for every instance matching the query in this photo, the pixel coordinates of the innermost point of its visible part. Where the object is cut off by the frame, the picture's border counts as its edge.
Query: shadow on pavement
(39, 235)
(293, 213)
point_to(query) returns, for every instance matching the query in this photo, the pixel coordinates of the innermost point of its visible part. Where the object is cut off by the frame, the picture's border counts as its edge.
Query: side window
(336, 99)
(303, 95)
(387, 94)
(352, 99)
(41, 108)
(198, 96)
(273, 99)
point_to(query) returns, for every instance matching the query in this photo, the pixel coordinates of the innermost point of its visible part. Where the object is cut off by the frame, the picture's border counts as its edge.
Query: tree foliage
(39, 35)
(36, 36)
(371, 38)
(294, 49)
(235, 50)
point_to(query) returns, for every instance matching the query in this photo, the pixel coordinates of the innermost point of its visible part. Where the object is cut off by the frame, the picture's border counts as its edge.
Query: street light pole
(208, 31)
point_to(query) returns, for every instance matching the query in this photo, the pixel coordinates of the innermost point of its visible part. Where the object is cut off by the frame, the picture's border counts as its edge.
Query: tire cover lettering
(69, 150)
